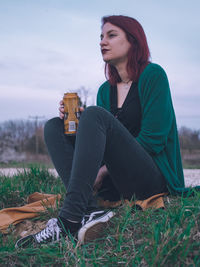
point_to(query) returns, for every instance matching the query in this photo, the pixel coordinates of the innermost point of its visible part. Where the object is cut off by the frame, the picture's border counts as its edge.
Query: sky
(50, 47)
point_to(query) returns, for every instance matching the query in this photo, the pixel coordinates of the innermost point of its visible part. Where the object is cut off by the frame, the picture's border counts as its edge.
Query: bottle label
(72, 126)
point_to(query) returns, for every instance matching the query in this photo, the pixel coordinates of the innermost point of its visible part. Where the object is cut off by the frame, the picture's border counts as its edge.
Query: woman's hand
(103, 171)
(62, 112)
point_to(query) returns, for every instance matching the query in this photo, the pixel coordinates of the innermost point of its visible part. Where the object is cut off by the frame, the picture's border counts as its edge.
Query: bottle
(72, 113)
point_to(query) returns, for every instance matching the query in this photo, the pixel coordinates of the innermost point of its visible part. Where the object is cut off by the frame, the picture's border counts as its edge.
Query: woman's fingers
(61, 109)
(82, 109)
(61, 115)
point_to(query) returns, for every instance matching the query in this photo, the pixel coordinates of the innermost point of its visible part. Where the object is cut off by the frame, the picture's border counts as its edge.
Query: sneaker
(51, 233)
(93, 224)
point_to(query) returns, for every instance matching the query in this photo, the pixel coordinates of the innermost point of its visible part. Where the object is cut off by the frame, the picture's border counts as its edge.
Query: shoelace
(52, 229)
(90, 216)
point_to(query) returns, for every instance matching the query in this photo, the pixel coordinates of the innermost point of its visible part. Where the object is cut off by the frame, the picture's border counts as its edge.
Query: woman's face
(114, 44)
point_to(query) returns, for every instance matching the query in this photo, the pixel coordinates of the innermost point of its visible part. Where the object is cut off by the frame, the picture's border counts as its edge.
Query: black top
(130, 112)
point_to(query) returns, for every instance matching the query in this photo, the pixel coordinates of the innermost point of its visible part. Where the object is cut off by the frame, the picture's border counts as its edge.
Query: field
(190, 159)
(169, 237)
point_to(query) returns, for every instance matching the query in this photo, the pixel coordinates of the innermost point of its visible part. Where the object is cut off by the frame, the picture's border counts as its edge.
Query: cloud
(21, 102)
(49, 47)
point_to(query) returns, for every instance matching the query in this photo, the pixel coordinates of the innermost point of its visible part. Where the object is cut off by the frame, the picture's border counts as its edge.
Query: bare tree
(189, 139)
(83, 94)
(18, 137)
(36, 118)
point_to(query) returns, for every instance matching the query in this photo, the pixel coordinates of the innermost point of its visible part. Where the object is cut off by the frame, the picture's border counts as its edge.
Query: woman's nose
(103, 42)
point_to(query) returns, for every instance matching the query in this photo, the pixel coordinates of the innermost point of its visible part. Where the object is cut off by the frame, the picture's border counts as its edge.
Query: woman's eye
(108, 36)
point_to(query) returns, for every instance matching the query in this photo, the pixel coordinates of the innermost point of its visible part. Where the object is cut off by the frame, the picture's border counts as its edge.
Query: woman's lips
(103, 51)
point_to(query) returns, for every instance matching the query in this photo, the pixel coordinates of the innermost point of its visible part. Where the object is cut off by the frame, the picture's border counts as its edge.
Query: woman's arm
(157, 110)
(103, 96)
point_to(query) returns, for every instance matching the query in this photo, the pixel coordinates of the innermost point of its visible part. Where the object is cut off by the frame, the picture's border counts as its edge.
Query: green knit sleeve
(157, 109)
(103, 96)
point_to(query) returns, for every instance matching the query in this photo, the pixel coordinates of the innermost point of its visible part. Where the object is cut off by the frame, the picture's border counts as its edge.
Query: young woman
(126, 146)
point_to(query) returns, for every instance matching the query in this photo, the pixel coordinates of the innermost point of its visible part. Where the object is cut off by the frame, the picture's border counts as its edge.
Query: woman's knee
(94, 111)
(52, 126)
(95, 115)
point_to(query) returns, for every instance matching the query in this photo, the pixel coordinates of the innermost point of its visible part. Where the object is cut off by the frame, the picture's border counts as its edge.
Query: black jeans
(100, 139)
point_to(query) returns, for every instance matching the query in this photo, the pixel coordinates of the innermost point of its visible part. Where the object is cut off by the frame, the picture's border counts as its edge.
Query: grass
(169, 237)
(27, 164)
(191, 166)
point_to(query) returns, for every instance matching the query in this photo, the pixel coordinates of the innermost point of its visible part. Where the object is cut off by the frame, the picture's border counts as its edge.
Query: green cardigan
(158, 134)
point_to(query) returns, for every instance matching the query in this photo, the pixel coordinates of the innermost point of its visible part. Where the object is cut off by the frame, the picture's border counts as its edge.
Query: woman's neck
(121, 69)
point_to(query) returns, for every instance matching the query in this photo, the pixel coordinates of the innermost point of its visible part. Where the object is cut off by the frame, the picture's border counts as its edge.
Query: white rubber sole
(93, 229)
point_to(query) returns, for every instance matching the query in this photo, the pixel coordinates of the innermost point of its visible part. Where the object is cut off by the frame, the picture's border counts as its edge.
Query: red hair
(138, 55)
